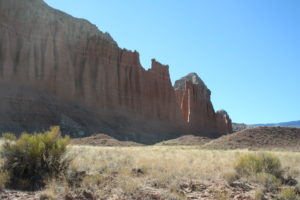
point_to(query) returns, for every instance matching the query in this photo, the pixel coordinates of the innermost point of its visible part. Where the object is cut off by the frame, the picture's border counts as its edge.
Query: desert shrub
(259, 195)
(33, 159)
(288, 194)
(75, 178)
(269, 181)
(9, 136)
(4, 179)
(290, 176)
(230, 177)
(252, 164)
(297, 188)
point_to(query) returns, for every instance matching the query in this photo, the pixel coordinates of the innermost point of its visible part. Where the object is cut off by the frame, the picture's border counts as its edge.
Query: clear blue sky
(246, 51)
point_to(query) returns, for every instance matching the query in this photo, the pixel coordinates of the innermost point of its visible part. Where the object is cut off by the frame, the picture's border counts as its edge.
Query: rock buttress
(193, 96)
(73, 75)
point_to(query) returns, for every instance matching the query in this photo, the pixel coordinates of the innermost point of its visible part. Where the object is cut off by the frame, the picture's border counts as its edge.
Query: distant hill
(186, 140)
(286, 124)
(259, 138)
(103, 140)
(239, 127)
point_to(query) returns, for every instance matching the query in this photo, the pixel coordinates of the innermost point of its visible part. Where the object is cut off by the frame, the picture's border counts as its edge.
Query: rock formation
(193, 97)
(239, 127)
(59, 70)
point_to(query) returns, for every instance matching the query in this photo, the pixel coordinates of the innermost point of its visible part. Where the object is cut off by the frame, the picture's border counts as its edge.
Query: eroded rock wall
(68, 65)
(193, 96)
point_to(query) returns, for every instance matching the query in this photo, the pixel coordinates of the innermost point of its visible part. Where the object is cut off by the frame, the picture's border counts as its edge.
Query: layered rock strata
(59, 70)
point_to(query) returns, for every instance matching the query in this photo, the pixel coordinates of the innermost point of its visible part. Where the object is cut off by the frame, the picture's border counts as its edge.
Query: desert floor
(160, 172)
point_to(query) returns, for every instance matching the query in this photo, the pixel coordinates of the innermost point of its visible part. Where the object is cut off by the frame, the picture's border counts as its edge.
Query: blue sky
(246, 51)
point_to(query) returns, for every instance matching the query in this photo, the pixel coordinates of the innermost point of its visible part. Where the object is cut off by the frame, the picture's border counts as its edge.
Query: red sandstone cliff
(193, 97)
(56, 69)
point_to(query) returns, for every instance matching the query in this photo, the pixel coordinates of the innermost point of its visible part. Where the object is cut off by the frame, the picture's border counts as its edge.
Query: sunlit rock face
(59, 70)
(193, 97)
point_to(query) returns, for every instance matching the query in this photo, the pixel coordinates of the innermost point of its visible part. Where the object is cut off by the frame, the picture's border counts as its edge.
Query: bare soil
(103, 140)
(186, 140)
(260, 138)
(187, 191)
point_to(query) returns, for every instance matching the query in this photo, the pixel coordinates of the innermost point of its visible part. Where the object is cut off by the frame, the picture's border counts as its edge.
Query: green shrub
(4, 179)
(252, 164)
(288, 194)
(259, 195)
(9, 136)
(33, 159)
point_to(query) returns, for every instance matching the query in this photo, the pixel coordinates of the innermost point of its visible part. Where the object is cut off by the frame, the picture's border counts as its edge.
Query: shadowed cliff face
(50, 58)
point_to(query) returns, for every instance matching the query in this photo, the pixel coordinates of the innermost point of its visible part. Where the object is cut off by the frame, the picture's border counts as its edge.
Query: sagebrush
(253, 164)
(33, 159)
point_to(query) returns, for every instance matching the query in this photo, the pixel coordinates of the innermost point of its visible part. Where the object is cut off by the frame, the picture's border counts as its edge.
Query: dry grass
(1, 143)
(151, 171)
(188, 162)
(157, 162)
(165, 168)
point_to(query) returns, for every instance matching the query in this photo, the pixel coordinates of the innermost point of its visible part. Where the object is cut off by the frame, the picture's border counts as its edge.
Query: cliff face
(223, 121)
(193, 96)
(75, 76)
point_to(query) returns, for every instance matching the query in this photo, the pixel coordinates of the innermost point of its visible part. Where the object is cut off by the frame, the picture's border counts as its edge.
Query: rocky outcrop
(223, 121)
(71, 74)
(193, 96)
(239, 127)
